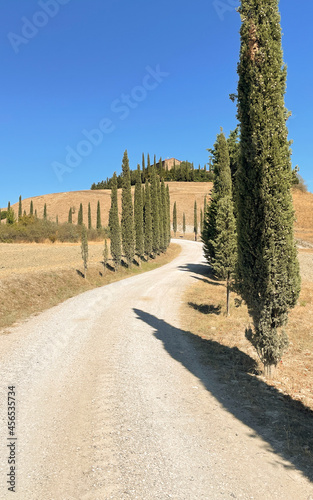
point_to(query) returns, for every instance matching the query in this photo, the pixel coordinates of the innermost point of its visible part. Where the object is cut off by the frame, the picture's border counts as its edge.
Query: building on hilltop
(169, 163)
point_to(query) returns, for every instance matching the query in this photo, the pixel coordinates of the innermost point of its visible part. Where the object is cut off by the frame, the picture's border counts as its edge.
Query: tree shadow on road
(206, 308)
(202, 272)
(231, 377)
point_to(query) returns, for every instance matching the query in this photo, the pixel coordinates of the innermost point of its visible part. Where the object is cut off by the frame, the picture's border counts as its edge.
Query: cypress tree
(168, 201)
(204, 205)
(175, 219)
(148, 221)
(164, 217)
(143, 169)
(114, 225)
(56, 219)
(84, 248)
(195, 220)
(70, 216)
(184, 223)
(128, 239)
(80, 215)
(36, 213)
(98, 216)
(0, 216)
(161, 231)
(20, 207)
(138, 213)
(155, 212)
(201, 221)
(221, 187)
(31, 208)
(89, 216)
(148, 168)
(45, 211)
(268, 269)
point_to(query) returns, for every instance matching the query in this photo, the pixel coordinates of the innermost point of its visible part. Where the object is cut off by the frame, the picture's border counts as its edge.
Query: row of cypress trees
(144, 230)
(254, 239)
(80, 216)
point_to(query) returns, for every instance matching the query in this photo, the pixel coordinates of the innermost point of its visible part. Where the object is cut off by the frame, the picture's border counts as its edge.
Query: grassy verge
(23, 295)
(284, 403)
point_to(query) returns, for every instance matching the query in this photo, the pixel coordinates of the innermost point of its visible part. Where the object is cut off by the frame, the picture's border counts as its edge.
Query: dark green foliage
(45, 211)
(155, 211)
(143, 169)
(138, 216)
(114, 225)
(127, 223)
(31, 208)
(19, 208)
(10, 216)
(175, 219)
(36, 213)
(84, 248)
(201, 221)
(195, 220)
(184, 223)
(80, 217)
(161, 229)
(222, 186)
(70, 216)
(98, 216)
(168, 202)
(56, 219)
(148, 221)
(89, 217)
(268, 269)
(233, 150)
(163, 218)
(225, 243)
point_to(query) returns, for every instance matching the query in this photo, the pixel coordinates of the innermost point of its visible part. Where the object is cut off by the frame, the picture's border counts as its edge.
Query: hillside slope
(184, 193)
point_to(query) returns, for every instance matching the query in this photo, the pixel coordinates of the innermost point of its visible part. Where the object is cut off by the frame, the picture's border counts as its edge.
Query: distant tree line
(183, 172)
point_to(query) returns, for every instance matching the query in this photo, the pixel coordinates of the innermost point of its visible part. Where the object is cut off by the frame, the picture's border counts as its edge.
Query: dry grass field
(34, 277)
(58, 204)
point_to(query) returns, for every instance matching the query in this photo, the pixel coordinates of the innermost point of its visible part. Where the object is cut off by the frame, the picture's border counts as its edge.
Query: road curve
(106, 409)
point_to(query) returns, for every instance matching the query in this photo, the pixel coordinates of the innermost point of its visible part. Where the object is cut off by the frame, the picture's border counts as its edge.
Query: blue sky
(143, 76)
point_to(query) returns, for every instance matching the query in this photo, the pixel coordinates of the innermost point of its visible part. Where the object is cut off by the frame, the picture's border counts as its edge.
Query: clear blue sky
(155, 76)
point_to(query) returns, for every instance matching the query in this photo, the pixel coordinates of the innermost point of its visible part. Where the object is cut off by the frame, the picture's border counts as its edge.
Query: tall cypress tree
(148, 221)
(128, 239)
(168, 201)
(161, 228)
(84, 248)
(164, 217)
(138, 216)
(89, 216)
(20, 208)
(98, 215)
(143, 168)
(45, 211)
(70, 216)
(148, 174)
(268, 269)
(184, 223)
(31, 208)
(201, 221)
(222, 187)
(195, 220)
(155, 212)
(80, 217)
(174, 219)
(114, 225)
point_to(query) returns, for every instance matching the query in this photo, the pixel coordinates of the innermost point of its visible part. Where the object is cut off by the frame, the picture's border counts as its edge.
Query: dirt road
(113, 403)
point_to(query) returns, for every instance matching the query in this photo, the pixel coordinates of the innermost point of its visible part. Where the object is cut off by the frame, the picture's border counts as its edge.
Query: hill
(184, 193)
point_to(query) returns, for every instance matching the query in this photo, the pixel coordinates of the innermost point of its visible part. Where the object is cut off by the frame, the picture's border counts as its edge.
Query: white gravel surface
(113, 403)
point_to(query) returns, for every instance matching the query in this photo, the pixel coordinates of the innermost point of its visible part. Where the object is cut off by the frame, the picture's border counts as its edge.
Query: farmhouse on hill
(169, 163)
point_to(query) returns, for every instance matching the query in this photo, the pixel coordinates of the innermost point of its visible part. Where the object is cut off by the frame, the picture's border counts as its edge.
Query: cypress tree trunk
(228, 294)
(114, 225)
(128, 239)
(268, 269)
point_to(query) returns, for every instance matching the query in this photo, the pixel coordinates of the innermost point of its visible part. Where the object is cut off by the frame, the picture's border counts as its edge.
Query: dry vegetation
(288, 398)
(35, 277)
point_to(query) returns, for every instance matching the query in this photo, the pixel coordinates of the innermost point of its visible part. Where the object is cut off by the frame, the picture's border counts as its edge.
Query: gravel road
(113, 403)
